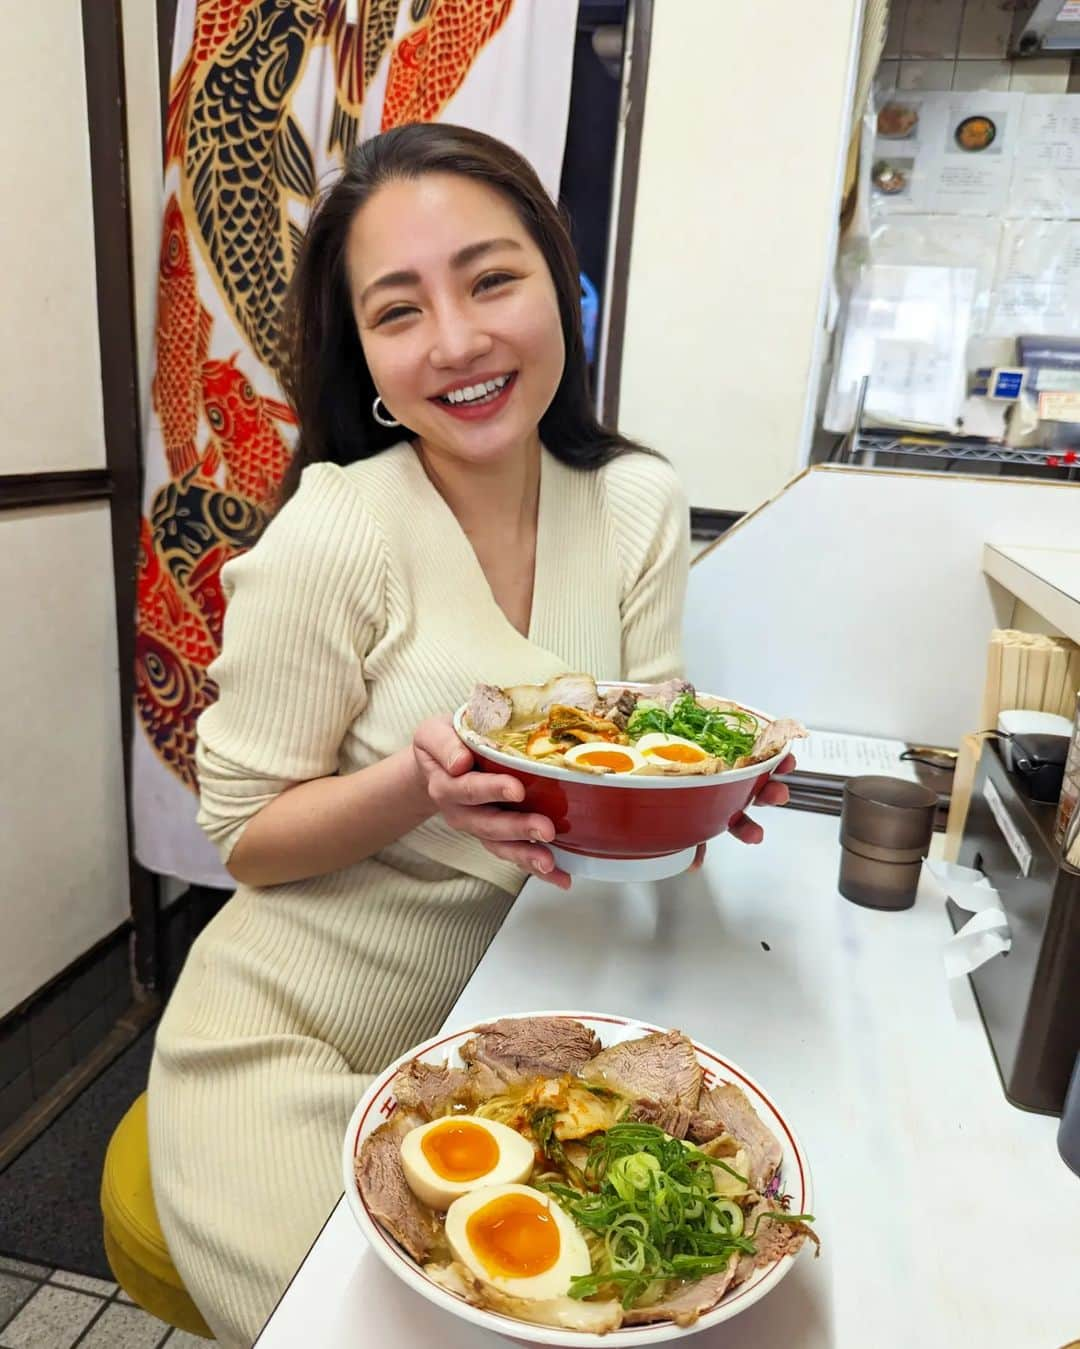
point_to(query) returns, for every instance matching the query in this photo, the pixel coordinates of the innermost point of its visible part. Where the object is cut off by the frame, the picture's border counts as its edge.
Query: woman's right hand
(472, 802)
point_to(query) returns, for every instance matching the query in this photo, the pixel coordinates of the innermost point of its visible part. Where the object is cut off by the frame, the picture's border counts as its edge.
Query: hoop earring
(380, 413)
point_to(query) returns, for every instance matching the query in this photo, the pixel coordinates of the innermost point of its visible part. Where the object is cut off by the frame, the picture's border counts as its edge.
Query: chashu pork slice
(664, 695)
(660, 1067)
(489, 709)
(688, 1304)
(729, 1106)
(773, 1240)
(532, 703)
(518, 1049)
(381, 1179)
(432, 1089)
(771, 740)
(680, 1121)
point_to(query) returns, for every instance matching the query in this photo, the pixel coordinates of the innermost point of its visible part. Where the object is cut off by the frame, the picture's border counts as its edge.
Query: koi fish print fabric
(266, 98)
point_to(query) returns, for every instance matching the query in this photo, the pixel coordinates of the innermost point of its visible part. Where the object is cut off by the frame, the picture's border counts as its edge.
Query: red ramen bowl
(624, 828)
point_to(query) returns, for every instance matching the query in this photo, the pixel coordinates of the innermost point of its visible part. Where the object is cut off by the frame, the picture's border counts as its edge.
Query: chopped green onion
(726, 733)
(726, 1216)
(654, 1216)
(627, 1175)
(654, 1211)
(542, 1123)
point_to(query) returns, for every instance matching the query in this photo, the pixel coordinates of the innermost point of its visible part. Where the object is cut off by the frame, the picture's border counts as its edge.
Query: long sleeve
(365, 593)
(304, 608)
(652, 523)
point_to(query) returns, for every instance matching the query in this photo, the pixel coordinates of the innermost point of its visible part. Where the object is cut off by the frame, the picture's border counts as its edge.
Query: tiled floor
(44, 1308)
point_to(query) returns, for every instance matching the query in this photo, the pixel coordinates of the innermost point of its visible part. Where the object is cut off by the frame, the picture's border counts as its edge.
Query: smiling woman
(469, 332)
(497, 534)
(437, 255)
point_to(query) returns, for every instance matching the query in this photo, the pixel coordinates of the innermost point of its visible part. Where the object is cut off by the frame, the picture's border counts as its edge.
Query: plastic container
(885, 830)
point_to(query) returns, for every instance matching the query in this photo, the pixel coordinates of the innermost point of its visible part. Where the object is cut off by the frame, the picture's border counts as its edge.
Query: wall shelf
(863, 444)
(1045, 579)
(869, 443)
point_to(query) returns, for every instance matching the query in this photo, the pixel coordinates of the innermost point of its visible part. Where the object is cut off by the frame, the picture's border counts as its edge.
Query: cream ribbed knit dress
(363, 611)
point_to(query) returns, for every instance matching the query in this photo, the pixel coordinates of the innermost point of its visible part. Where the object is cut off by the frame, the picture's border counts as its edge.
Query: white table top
(946, 1215)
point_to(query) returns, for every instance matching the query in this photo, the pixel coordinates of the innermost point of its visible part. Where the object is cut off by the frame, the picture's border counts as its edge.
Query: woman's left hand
(742, 827)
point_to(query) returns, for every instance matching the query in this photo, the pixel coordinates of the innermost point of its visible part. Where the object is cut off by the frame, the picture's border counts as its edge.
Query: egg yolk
(514, 1236)
(606, 758)
(676, 753)
(460, 1151)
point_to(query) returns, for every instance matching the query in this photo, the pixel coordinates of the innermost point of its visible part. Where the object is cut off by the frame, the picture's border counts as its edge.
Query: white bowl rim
(627, 780)
(402, 1264)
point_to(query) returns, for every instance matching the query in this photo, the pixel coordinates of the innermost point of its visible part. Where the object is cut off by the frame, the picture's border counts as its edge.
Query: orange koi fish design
(430, 63)
(183, 336)
(172, 650)
(243, 427)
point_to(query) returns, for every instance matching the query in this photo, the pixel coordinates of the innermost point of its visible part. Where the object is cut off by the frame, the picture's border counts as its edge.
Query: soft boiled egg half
(449, 1157)
(670, 749)
(518, 1240)
(601, 754)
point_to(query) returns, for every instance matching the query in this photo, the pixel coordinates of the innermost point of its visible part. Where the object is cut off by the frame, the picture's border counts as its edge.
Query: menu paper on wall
(1037, 286)
(906, 331)
(944, 153)
(992, 154)
(982, 182)
(1046, 174)
(942, 241)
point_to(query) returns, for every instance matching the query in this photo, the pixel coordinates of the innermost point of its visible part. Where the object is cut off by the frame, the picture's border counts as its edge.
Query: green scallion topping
(652, 1204)
(725, 733)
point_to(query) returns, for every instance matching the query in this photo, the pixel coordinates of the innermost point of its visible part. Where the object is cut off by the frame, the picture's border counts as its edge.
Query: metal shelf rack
(864, 444)
(874, 442)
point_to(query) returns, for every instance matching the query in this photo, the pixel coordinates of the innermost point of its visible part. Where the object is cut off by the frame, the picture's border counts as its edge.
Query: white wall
(50, 394)
(62, 833)
(144, 175)
(746, 121)
(856, 601)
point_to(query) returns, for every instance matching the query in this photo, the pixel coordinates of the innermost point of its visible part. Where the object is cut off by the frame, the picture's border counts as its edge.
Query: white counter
(1046, 579)
(946, 1215)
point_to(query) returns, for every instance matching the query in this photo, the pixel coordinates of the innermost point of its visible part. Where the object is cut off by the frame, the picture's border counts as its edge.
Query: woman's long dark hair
(323, 370)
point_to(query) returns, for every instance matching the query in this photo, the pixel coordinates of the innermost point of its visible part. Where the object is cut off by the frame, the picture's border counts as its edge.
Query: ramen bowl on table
(627, 826)
(433, 1082)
